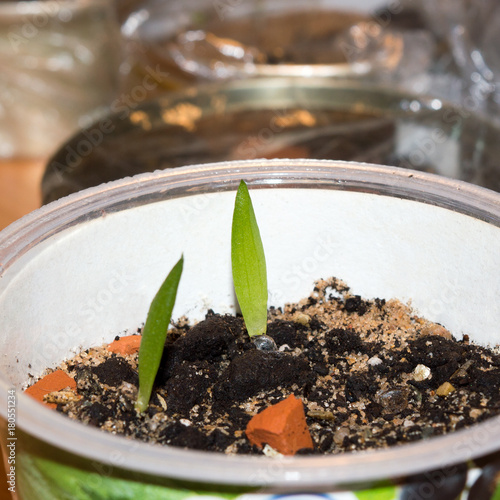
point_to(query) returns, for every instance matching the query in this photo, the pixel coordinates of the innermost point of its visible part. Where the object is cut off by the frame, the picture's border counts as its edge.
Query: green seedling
(250, 283)
(249, 264)
(154, 334)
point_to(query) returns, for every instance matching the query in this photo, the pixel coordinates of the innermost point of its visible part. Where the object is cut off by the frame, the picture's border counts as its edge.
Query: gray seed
(265, 343)
(393, 400)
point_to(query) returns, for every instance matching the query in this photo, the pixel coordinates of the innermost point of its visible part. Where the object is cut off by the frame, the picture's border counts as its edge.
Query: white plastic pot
(83, 269)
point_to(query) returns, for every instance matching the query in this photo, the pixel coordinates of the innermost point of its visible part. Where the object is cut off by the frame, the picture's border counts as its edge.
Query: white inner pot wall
(96, 280)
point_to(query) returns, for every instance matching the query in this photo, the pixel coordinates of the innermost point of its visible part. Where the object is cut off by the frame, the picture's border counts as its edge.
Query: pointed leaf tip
(155, 332)
(249, 263)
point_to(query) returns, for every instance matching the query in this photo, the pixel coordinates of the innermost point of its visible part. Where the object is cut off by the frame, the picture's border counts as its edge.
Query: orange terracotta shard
(125, 345)
(55, 381)
(282, 426)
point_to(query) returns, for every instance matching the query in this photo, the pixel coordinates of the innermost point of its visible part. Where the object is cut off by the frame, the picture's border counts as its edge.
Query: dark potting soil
(371, 374)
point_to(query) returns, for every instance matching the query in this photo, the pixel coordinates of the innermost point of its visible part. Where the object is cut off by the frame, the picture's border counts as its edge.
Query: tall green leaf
(249, 264)
(155, 333)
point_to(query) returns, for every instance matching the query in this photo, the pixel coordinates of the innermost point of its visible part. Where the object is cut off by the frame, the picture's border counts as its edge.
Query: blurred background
(96, 90)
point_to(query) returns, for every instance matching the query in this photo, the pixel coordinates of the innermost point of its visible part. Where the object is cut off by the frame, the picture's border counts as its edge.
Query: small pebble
(339, 435)
(128, 389)
(435, 329)
(393, 400)
(61, 397)
(374, 361)
(321, 415)
(156, 421)
(462, 371)
(271, 452)
(366, 433)
(475, 413)
(265, 343)
(163, 403)
(421, 373)
(444, 389)
(302, 318)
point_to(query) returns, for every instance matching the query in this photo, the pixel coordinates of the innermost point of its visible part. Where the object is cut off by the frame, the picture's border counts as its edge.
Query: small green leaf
(155, 333)
(249, 264)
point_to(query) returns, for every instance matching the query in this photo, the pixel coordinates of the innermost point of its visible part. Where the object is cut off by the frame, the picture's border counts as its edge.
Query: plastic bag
(59, 71)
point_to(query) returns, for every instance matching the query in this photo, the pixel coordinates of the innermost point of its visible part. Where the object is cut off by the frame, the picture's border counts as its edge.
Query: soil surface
(371, 374)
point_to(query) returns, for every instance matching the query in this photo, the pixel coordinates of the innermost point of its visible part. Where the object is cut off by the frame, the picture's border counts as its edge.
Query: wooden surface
(19, 188)
(19, 194)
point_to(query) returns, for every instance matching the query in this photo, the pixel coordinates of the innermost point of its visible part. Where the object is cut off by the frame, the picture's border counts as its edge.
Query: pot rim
(314, 471)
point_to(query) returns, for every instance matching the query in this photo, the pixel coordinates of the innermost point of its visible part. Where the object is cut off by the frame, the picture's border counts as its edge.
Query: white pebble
(185, 421)
(374, 361)
(421, 372)
(271, 452)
